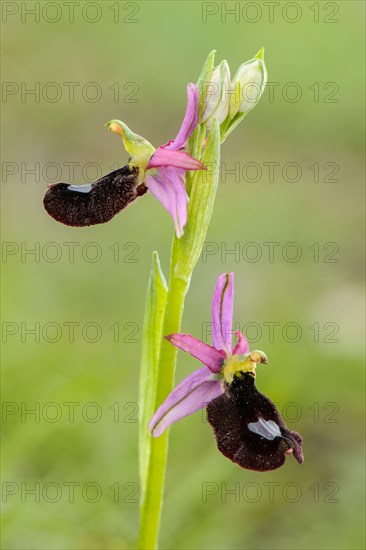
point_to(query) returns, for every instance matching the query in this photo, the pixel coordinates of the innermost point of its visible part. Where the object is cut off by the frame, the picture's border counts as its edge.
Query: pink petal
(208, 355)
(190, 119)
(242, 345)
(222, 312)
(177, 159)
(192, 394)
(167, 185)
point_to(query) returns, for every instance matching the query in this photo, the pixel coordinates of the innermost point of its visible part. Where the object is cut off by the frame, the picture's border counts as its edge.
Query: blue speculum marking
(80, 188)
(266, 428)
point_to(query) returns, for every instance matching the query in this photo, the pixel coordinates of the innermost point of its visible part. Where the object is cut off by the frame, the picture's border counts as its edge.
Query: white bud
(217, 95)
(248, 85)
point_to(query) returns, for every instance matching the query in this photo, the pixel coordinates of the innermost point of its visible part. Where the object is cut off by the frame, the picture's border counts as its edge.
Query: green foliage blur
(302, 305)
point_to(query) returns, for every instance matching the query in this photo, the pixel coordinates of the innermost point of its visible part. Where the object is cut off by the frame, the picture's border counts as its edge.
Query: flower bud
(217, 95)
(248, 85)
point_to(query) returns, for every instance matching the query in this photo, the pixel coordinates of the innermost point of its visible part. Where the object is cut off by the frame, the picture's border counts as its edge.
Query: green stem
(153, 498)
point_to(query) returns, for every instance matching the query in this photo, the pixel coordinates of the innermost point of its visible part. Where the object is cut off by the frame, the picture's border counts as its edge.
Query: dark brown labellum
(98, 202)
(248, 428)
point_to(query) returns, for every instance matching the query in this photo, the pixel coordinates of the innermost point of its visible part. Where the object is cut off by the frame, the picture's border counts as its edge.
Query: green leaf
(152, 334)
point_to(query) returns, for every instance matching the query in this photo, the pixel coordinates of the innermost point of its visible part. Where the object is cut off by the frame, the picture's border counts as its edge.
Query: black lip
(108, 196)
(229, 415)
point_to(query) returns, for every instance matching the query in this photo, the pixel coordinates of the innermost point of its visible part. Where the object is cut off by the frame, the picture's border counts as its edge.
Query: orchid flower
(248, 428)
(161, 171)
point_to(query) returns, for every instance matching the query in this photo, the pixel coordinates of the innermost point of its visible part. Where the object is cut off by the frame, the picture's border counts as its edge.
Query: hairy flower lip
(95, 203)
(249, 429)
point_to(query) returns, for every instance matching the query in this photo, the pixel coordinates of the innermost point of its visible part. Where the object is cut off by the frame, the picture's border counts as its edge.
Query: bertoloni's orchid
(248, 428)
(161, 171)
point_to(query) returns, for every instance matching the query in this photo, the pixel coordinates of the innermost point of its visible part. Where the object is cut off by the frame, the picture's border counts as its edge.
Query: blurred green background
(140, 56)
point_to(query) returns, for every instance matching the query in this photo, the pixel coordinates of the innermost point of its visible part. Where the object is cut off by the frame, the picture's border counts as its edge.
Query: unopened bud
(217, 95)
(248, 85)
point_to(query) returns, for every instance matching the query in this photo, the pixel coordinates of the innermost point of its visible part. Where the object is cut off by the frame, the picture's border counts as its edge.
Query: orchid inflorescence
(248, 428)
